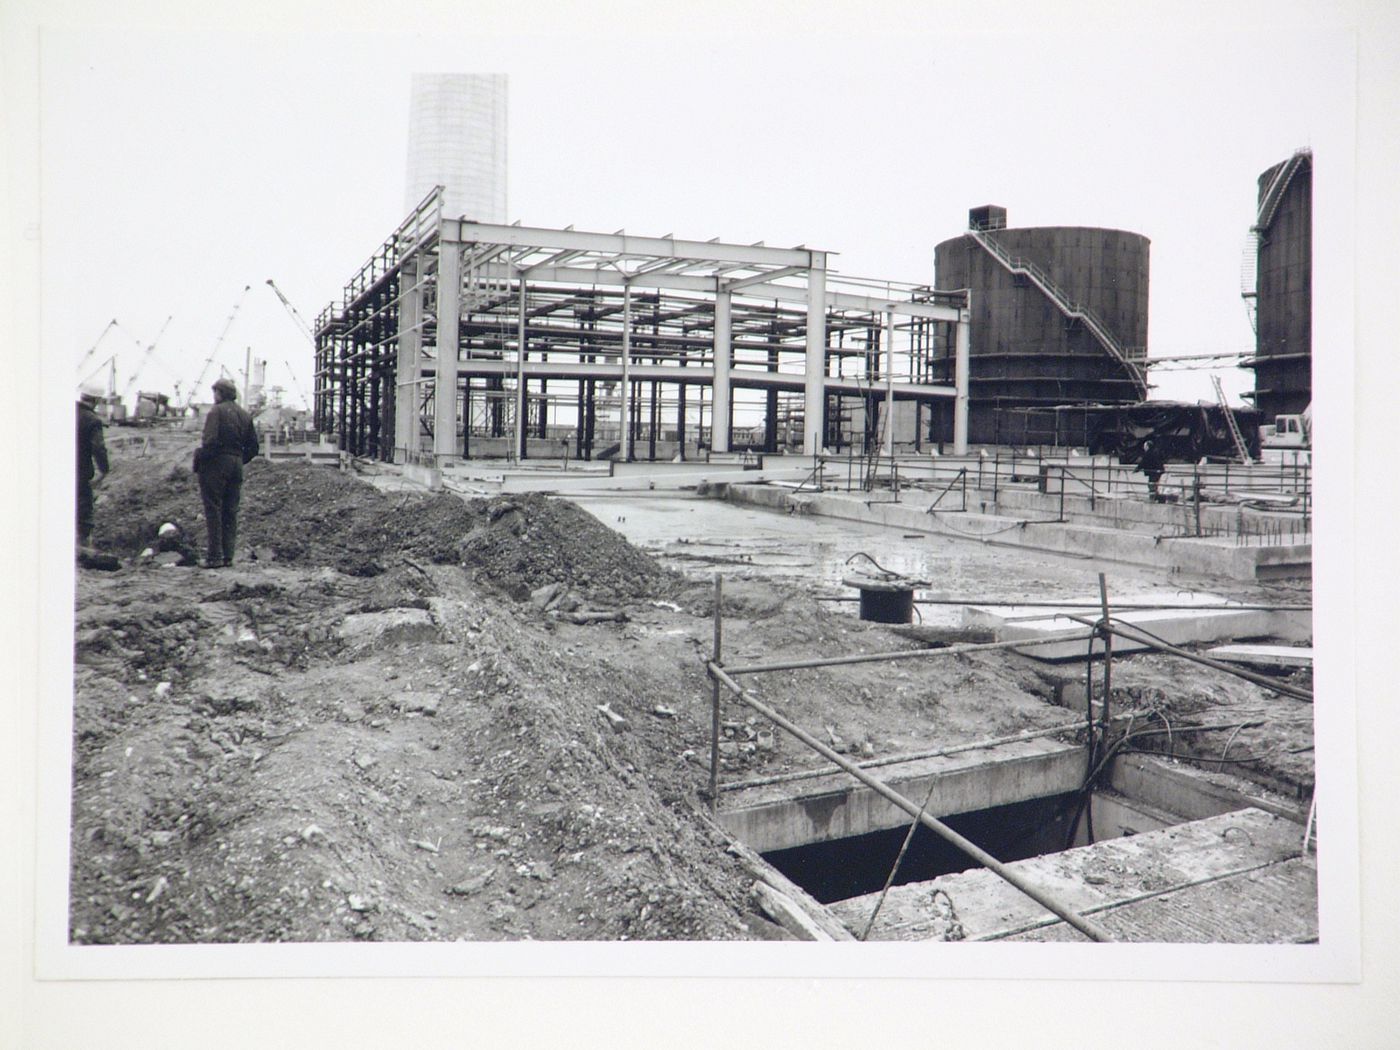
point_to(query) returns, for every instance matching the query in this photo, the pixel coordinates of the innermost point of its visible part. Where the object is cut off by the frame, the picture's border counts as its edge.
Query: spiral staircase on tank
(1132, 363)
(1268, 208)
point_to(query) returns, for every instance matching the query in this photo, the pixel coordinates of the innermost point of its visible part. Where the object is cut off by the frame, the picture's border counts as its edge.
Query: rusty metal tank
(1059, 316)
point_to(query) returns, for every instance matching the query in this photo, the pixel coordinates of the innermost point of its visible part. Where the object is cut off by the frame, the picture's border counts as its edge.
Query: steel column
(449, 318)
(408, 372)
(520, 339)
(961, 362)
(816, 356)
(625, 399)
(888, 440)
(723, 357)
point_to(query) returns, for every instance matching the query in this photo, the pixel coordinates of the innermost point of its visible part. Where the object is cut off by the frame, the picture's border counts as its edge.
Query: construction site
(622, 587)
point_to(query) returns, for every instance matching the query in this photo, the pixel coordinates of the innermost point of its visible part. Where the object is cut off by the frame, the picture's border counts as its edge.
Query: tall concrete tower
(457, 137)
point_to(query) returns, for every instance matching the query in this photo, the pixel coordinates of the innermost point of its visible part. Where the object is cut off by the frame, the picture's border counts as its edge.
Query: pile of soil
(302, 514)
(356, 738)
(520, 543)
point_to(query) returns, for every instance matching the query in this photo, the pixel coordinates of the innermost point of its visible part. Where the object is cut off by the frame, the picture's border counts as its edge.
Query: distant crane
(93, 348)
(110, 365)
(198, 383)
(145, 360)
(300, 322)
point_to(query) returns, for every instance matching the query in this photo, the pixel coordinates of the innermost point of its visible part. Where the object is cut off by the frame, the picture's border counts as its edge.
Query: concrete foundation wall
(961, 784)
(1200, 557)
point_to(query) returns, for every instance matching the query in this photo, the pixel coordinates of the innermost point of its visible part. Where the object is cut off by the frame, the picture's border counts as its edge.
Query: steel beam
(836, 298)
(745, 378)
(616, 244)
(761, 278)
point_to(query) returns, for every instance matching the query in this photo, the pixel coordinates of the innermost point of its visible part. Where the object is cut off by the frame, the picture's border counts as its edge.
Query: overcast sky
(179, 168)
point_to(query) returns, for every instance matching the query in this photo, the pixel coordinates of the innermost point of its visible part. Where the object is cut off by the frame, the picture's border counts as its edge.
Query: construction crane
(198, 383)
(110, 367)
(293, 312)
(93, 348)
(300, 322)
(145, 360)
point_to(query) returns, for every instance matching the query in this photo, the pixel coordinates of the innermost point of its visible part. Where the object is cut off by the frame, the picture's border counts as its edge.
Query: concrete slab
(780, 816)
(1177, 626)
(1197, 557)
(1242, 870)
(1264, 655)
(1270, 905)
(694, 475)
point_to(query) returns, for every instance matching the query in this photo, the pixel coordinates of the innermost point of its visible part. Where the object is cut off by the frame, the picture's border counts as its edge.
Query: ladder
(1230, 421)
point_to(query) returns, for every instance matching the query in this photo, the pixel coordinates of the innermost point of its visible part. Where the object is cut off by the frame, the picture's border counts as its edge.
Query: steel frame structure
(458, 333)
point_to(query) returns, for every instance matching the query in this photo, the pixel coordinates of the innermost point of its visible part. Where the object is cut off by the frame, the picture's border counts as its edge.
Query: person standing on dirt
(92, 461)
(230, 440)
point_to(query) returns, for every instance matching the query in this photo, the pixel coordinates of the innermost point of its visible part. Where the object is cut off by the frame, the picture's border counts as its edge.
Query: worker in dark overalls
(1152, 464)
(230, 440)
(92, 461)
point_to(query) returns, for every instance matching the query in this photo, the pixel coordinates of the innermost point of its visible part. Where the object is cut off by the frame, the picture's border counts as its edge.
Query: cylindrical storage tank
(1028, 350)
(1283, 304)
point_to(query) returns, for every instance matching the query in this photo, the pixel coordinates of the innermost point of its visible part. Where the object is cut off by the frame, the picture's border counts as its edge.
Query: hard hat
(90, 392)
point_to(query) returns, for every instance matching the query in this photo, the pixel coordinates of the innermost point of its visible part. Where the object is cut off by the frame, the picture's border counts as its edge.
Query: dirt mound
(301, 514)
(521, 543)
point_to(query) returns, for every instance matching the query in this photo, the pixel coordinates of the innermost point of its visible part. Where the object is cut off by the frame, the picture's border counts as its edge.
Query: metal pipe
(1085, 926)
(1205, 661)
(714, 712)
(1107, 654)
(1018, 603)
(906, 654)
(890, 760)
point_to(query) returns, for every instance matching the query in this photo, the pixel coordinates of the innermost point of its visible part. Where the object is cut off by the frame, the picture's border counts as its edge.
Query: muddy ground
(410, 717)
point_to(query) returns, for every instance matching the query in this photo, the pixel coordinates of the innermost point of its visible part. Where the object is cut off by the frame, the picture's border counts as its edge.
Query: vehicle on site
(1288, 437)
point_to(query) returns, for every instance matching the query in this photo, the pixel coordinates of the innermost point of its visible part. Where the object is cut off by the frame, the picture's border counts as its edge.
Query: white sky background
(179, 167)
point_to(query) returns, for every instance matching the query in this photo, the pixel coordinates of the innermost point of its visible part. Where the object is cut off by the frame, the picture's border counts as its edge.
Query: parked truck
(1288, 438)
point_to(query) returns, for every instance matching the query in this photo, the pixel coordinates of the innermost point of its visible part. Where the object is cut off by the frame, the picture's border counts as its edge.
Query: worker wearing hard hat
(230, 441)
(92, 459)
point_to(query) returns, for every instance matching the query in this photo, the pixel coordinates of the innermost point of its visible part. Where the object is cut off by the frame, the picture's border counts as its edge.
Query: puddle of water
(698, 537)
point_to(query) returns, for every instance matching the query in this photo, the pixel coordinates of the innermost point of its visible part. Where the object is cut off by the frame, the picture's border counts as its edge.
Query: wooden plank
(786, 913)
(764, 872)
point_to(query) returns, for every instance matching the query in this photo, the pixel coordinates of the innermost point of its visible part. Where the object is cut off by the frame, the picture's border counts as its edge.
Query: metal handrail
(960, 476)
(1068, 306)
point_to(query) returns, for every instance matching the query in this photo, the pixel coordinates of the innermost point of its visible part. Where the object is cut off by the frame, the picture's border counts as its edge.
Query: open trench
(1147, 849)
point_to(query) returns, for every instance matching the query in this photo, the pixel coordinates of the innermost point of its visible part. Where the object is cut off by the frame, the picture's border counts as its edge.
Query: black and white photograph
(572, 500)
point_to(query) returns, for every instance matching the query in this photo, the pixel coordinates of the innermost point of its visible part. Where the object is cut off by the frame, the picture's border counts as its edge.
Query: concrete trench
(839, 841)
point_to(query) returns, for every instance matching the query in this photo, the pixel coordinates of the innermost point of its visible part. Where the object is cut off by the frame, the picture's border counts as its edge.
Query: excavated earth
(411, 717)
